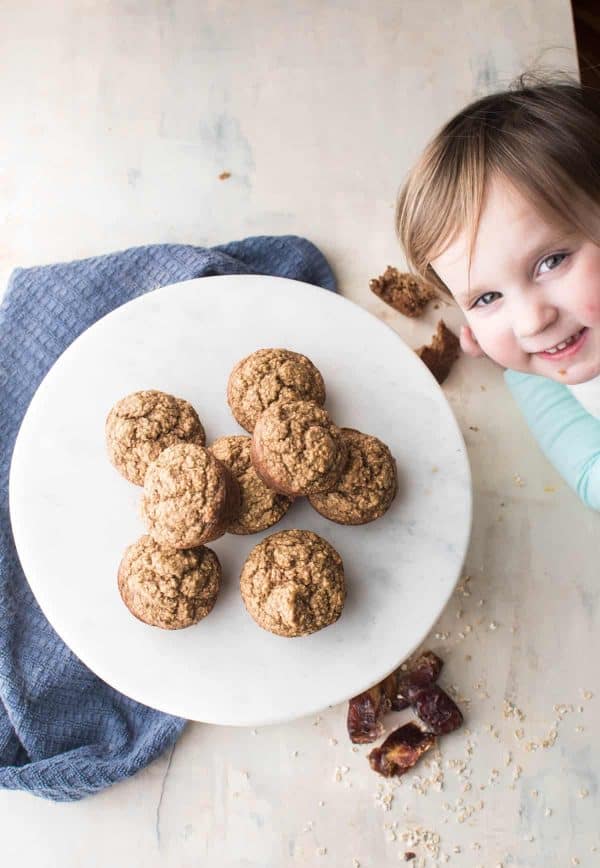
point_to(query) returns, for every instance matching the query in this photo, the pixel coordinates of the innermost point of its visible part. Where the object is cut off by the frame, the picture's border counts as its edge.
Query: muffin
(268, 376)
(292, 583)
(261, 507)
(167, 588)
(367, 486)
(296, 448)
(142, 424)
(190, 497)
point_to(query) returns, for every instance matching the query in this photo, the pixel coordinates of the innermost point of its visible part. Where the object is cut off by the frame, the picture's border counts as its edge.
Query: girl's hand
(468, 343)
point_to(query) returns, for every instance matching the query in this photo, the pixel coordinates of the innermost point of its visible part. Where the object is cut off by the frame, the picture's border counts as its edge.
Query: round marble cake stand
(73, 514)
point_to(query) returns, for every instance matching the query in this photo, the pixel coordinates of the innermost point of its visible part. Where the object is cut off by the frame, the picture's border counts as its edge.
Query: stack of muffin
(292, 582)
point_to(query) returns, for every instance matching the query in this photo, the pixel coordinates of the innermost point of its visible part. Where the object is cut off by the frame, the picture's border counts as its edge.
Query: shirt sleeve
(568, 435)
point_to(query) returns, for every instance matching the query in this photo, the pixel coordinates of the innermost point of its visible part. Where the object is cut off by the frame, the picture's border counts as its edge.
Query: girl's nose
(532, 316)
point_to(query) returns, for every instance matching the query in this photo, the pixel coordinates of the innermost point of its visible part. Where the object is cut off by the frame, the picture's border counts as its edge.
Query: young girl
(502, 211)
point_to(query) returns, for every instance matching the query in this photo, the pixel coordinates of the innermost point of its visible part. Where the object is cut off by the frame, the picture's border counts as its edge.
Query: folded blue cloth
(64, 733)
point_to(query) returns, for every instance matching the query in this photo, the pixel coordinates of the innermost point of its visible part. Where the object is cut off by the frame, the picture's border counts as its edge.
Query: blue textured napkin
(64, 733)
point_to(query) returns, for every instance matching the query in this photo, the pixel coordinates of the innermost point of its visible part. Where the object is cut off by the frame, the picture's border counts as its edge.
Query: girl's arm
(568, 435)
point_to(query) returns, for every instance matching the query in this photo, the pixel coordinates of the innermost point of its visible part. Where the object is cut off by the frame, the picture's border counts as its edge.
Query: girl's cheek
(591, 313)
(583, 288)
(498, 345)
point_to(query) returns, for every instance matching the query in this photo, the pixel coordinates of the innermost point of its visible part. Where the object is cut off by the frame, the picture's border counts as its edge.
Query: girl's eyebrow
(554, 240)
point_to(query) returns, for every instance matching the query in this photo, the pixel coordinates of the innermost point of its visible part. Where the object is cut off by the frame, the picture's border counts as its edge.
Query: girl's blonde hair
(542, 135)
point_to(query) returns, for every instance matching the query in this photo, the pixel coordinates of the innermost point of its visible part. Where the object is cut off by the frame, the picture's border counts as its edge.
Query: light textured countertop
(118, 118)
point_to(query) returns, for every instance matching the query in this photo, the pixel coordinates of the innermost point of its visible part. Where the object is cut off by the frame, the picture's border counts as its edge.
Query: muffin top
(297, 449)
(189, 497)
(168, 588)
(293, 583)
(142, 424)
(261, 507)
(270, 375)
(367, 486)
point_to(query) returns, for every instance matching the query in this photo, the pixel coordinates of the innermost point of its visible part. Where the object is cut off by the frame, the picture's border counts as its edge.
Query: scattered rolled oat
(511, 710)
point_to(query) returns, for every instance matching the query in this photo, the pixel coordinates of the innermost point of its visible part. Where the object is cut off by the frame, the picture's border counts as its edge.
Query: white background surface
(185, 340)
(117, 120)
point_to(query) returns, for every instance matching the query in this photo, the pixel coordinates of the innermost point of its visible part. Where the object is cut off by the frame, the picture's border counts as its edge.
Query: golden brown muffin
(190, 497)
(166, 587)
(142, 424)
(271, 375)
(293, 583)
(261, 507)
(296, 448)
(367, 486)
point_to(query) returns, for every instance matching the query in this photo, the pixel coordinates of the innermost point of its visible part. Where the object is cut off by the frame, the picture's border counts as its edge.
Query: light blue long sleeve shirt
(568, 435)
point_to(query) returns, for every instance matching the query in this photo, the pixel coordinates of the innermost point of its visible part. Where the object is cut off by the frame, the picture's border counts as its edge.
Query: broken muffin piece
(405, 292)
(441, 353)
(401, 750)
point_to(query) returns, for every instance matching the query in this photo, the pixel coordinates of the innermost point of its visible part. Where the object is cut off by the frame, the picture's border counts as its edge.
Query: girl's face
(534, 298)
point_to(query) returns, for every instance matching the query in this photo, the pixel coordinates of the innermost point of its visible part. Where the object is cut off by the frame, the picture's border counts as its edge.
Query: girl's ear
(469, 344)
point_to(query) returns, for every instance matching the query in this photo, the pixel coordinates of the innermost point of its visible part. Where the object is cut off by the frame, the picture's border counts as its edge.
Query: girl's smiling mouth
(565, 348)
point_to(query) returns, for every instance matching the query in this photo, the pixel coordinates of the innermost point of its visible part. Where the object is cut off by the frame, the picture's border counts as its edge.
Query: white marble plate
(73, 514)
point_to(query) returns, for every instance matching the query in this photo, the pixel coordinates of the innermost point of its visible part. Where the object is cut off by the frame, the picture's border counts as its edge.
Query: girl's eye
(486, 298)
(553, 261)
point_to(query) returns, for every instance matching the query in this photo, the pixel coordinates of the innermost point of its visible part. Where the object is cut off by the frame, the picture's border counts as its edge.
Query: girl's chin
(575, 374)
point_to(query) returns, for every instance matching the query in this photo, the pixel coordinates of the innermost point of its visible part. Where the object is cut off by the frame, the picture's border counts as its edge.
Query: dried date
(401, 750)
(421, 672)
(436, 709)
(365, 711)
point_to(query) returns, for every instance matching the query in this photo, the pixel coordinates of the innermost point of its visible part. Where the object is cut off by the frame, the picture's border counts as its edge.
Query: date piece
(401, 750)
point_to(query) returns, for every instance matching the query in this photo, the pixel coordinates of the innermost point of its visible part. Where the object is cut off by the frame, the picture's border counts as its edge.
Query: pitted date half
(436, 709)
(401, 750)
(422, 671)
(365, 711)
